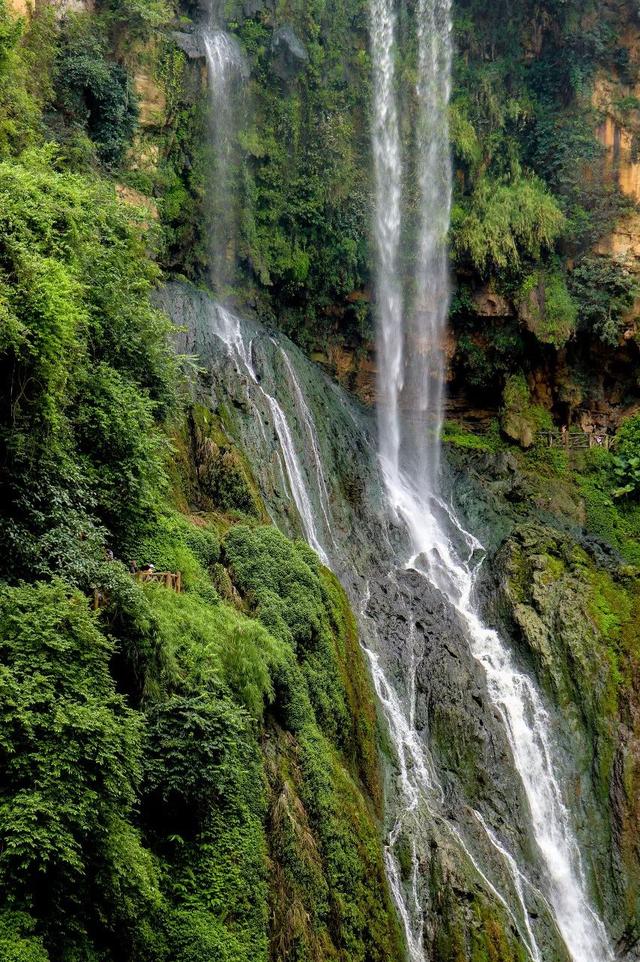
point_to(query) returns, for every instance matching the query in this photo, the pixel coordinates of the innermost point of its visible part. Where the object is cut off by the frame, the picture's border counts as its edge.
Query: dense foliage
(194, 777)
(184, 776)
(85, 370)
(306, 211)
(94, 93)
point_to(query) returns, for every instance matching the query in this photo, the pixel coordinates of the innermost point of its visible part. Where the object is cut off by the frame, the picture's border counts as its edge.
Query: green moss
(480, 933)
(327, 848)
(461, 437)
(491, 942)
(521, 420)
(548, 308)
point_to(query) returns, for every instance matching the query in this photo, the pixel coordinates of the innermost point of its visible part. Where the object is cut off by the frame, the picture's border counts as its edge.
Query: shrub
(19, 103)
(604, 291)
(280, 581)
(177, 545)
(95, 93)
(69, 753)
(85, 368)
(504, 222)
(547, 307)
(18, 942)
(627, 459)
(140, 16)
(194, 758)
(225, 479)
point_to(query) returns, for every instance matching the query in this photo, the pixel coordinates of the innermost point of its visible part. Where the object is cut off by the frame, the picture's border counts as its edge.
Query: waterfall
(228, 327)
(227, 70)
(264, 386)
(388, 221)
(428, 318)
(412, 321)
(411, 379)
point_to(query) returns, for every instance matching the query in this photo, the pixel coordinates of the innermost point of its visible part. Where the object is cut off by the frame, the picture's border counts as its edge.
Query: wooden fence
(166, 578)
(170, 579)
(579, 440)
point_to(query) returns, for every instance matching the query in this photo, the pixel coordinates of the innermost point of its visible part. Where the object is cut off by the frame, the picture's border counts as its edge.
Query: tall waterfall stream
(373, 506)
(411, 377)
(226, 69)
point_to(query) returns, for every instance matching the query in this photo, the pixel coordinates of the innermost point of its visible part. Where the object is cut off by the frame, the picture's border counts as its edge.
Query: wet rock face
(424, 653)
(427, 656)
(570, 609)
(190, 43)
(573, 609)
(289, 54)
(422, 636)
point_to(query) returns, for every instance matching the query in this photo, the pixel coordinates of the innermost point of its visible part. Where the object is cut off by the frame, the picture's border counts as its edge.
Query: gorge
(297, 303)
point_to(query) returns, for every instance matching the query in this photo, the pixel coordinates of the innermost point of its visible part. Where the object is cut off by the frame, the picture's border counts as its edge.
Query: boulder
(189, 43)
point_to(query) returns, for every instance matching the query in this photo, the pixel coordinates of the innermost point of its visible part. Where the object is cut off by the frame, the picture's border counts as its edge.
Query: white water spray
(411, 364)
(388, 221)
(228, 328)
(227, 70)
(309, 426)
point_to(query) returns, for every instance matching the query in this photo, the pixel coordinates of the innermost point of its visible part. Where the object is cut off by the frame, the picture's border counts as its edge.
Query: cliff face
(545, 230)
(544, 332)
(545, 124)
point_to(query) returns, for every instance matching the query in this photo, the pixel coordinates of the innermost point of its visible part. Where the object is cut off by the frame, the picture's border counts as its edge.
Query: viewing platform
(579, 440)
(170, 579)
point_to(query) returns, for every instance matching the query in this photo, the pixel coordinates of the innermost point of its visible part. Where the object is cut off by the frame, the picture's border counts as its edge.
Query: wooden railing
(170, 579)
(166, 578)
(579, 440)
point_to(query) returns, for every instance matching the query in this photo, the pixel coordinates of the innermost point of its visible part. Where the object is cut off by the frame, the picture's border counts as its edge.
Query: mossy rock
(219, 471)
(521, 419)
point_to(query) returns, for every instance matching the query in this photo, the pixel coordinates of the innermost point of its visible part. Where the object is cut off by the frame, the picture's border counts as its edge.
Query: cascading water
(388, 168)
(227, 70)
(411, 388)
(277, 406)
(228, 328)
(263, 380)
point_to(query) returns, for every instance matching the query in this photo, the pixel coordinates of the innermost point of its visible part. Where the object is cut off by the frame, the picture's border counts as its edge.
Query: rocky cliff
(544, 335)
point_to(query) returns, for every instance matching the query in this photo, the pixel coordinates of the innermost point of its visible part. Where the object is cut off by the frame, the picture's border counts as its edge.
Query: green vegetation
(143, 730)
(534, 192)
(521, 419)
(139, 17)
(305, 226)
(461, 437)
(182, 776)
(606, 292)
(86, 372)
(627, 460)
(93, 93)
(612, 513)
(548, 308)
(503, 224)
